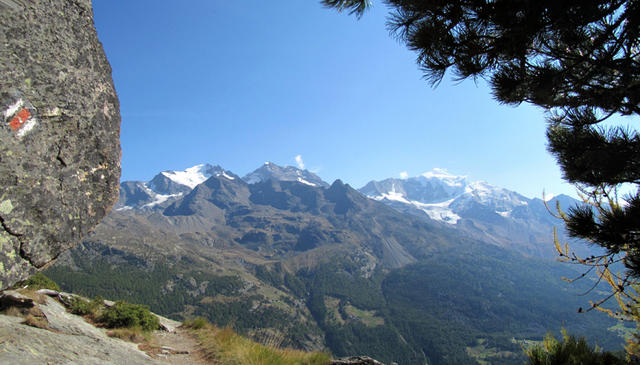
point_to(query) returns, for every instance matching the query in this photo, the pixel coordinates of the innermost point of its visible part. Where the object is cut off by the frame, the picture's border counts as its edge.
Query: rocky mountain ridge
(476, 209)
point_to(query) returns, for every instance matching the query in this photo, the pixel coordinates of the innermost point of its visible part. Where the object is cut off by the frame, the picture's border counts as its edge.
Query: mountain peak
(191, 177)
(167, 186)
(445, 177)
(338, 184)
(439, 173)
(272, 171)
(196, 175)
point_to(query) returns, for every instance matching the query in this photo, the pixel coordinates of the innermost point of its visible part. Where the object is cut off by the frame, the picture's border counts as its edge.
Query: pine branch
(357, 7)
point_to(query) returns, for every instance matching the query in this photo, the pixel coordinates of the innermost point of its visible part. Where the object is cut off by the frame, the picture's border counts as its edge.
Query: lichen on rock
(59, 132)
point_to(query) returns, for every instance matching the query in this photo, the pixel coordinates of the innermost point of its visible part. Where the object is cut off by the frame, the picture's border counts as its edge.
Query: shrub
(79, 306)
(570, 351)
(83, 307)
(127, 315)
(196, 323)
(39, 281)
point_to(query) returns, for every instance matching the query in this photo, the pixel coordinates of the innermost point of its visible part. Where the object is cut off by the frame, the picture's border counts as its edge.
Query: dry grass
(135, 335)
(226, 347)
(37, 298)
(13, 311)
(31, 293)
(36, 321)
(269, 338)
(33, 316)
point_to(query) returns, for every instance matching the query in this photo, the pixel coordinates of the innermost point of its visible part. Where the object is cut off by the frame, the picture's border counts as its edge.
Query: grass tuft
(36, 321)
(134, 334)
(32, 316)
(13, 311)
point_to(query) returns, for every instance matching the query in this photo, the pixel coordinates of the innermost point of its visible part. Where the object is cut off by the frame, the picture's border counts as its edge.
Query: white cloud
(404, 175)
(300, 162)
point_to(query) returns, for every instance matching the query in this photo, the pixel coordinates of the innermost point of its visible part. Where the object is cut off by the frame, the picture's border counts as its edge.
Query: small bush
(83, 307)
(196, 323)
(570, 351)
(80, 306)
(97, 303)
(39, 281)
(127, 315)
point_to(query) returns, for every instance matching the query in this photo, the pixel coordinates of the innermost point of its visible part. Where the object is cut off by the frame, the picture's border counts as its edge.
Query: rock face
(59, 132)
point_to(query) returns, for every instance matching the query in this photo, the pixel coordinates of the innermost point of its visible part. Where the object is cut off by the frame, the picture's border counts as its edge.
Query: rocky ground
(70, 339)
(36, 328)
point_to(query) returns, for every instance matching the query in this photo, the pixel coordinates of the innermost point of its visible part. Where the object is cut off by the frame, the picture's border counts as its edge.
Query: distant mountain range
(480, 210)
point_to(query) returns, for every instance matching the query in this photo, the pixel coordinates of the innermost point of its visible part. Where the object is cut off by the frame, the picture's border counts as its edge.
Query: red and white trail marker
(20, 117)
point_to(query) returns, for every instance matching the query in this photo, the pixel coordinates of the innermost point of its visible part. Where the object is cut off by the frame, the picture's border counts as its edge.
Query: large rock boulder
(59, 132)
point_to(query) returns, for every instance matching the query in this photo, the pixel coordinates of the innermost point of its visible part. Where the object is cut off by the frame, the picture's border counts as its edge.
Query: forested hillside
(449, 309)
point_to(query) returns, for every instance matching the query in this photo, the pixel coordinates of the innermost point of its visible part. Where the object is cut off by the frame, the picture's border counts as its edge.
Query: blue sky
(238, 83)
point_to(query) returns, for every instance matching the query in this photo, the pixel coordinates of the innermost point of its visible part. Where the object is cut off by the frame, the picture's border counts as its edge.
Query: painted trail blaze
(20, 119)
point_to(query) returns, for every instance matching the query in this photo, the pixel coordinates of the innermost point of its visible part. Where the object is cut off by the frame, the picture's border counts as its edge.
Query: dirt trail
(177, 347)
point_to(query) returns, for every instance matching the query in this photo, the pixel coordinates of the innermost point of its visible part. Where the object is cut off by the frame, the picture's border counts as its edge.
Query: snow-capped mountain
(287, 173)
(442, 196)
(483, 211)
(166, 186)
